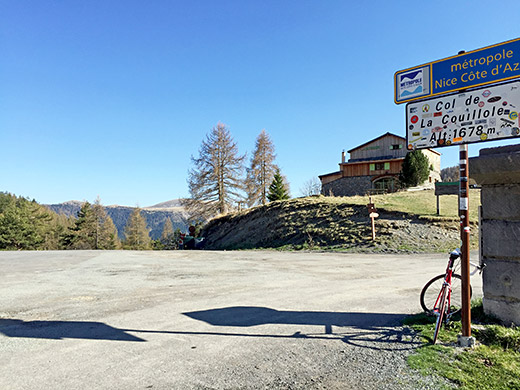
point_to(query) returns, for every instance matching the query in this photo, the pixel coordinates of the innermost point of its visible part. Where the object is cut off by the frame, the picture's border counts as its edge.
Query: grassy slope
(493, 364)
(296, 222)
(407, 222)
(423, 203)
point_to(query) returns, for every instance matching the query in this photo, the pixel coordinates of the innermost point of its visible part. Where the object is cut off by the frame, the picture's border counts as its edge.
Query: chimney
(343, 157)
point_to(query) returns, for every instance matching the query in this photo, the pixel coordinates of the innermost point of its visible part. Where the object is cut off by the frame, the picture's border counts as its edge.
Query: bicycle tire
(431, 291)
(442, 312)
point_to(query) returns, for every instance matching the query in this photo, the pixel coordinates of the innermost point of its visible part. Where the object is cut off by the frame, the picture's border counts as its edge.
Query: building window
(379, 166)
(396, 146)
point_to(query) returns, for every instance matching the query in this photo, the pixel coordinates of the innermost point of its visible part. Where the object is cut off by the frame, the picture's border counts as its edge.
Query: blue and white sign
(479, 67)
(414, 83)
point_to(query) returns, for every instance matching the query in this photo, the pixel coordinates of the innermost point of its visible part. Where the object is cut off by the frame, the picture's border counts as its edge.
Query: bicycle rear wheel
(431, 290)
(441, 314)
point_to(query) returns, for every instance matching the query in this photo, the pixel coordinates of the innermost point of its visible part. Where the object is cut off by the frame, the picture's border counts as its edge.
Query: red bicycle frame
(447, 282)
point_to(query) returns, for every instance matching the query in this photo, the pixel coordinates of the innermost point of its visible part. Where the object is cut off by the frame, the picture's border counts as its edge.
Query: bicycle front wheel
(432, 289)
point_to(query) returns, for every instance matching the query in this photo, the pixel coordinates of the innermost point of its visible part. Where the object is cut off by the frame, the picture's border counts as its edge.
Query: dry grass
(407, 223)
(421, 203)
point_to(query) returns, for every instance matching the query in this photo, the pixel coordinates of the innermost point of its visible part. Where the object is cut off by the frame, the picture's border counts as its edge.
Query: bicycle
(441, 296)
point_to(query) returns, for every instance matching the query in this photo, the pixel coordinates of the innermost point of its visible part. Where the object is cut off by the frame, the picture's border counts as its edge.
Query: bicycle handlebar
(455, 254)
(478, 268)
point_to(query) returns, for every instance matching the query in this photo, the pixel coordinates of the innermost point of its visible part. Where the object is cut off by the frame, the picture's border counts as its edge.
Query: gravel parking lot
(210, 320)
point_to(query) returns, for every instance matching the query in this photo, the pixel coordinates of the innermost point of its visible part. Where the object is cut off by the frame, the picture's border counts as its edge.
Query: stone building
(375, 165)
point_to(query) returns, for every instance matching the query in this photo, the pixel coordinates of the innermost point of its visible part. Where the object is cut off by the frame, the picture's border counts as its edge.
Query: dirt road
(205, 320)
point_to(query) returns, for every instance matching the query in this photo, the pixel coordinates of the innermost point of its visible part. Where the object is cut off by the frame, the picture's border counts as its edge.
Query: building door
(387, 184)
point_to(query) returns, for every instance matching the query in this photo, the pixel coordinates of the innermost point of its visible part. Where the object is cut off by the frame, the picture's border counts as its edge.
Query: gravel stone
(211, 320)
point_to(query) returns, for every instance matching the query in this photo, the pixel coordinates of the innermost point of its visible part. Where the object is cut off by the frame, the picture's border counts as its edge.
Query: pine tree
(106, 232)
(169, 238)
(136, 232)
(278, 189)
(23, 223)
(262, 170)
(215, 183)
(27, 225)
(167, 231)
(83, 234)
(57, 229)
(93, 229)
(415, 169)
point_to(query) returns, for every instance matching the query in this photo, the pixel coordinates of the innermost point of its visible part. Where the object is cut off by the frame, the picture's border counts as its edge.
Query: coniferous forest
(28, 225)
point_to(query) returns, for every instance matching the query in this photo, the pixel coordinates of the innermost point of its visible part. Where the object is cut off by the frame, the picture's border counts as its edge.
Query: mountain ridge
(155, 215)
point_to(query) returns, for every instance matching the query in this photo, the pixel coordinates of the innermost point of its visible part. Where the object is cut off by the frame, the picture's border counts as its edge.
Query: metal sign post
(445, 188)
(436, 118)
(464, 235)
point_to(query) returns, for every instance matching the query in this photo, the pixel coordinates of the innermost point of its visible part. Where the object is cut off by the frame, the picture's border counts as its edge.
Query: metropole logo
(413, 83)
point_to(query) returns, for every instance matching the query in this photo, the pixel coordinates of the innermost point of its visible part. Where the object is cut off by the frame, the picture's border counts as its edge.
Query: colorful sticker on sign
(462, 118)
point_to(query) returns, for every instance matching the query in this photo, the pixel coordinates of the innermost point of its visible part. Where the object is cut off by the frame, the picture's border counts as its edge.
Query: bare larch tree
(262, 170)
(216, 182)
(311, 187)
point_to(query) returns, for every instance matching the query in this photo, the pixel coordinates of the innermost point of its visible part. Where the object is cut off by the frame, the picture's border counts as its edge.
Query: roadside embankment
(330, 223)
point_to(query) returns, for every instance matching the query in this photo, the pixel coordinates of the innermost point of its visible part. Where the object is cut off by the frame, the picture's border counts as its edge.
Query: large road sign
(476, 68)
(478, 115)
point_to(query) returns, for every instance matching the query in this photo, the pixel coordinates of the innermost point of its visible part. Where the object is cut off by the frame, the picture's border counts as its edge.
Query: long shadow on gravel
(380, 331)
(244, 316)
(58, 330)
(370, 330)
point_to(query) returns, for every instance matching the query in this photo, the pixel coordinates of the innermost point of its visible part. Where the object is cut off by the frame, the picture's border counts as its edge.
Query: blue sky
(111, 98)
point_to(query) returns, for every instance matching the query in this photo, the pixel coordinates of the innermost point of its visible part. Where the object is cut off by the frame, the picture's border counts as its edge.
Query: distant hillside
(155, 215)
(174, 203)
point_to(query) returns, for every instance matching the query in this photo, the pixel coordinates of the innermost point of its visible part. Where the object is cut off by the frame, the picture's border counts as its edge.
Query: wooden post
(464, 235)
(372, 212)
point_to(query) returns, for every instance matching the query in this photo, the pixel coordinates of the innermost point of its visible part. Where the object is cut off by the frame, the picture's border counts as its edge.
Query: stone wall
(347, 186)
(497, 170)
